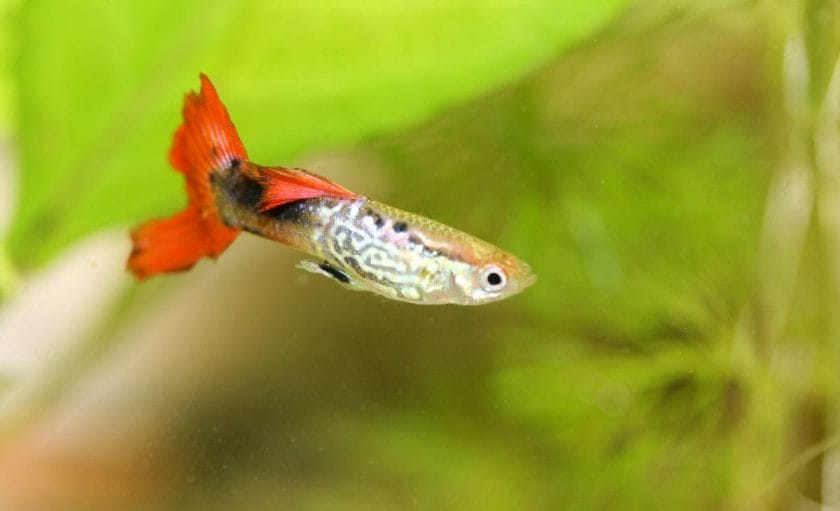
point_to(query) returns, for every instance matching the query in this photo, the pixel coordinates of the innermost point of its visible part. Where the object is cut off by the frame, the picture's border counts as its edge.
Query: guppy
(356, 241)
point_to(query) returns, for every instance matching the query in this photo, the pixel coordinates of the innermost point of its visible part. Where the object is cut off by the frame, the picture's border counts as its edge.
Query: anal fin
(327, 270)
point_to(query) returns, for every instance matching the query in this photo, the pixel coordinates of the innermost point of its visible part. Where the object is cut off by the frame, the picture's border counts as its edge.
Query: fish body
(361, 243)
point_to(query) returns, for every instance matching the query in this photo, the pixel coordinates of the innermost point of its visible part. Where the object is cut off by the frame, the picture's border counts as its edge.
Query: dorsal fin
(284, 185)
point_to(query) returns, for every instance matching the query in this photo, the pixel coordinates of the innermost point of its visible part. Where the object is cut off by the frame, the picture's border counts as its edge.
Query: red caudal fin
(288, 185)
(206, 141)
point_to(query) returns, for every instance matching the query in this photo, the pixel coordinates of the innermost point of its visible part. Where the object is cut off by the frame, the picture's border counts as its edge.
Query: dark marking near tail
(295, 212)
(240, 190)
(247, 193)
(335, 273)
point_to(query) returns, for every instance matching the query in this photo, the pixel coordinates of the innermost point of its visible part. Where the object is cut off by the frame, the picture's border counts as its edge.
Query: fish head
(494, 275)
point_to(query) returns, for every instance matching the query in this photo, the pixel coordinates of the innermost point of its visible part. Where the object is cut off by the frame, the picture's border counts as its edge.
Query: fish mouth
(526, 278)
(529, 280)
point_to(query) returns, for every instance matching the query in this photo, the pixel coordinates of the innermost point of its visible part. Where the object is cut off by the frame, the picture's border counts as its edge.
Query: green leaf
(101, 84)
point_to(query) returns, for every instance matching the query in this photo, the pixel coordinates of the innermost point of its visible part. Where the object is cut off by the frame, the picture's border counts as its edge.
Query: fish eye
(493, 278)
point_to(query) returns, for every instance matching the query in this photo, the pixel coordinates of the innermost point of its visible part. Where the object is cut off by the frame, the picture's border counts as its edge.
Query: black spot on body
(294, 212)
(238, 189)
(400, 227)
(335, 273)
(234, 163)
(378, 221)
(247, 193)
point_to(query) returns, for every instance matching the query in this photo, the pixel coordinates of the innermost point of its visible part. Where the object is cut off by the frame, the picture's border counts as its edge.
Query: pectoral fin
(329, 271)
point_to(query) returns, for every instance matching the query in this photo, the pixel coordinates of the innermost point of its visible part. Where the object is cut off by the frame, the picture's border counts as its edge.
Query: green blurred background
(671, 172)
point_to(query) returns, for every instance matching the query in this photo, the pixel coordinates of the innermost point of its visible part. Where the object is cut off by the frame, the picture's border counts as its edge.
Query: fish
(356, 241)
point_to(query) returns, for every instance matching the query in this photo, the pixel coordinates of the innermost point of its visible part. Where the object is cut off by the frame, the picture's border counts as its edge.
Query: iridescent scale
(399, 254)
